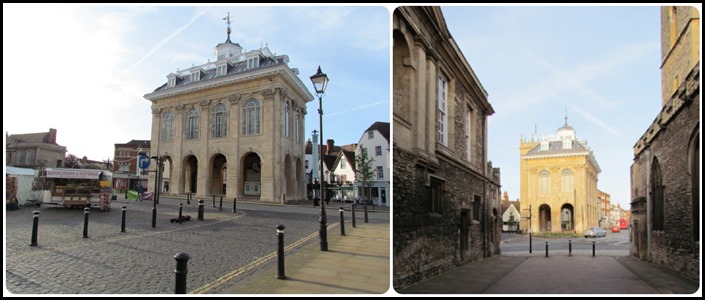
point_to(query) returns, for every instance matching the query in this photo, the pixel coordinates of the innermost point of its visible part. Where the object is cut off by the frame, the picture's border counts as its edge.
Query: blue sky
(85, 69)
(602, 63)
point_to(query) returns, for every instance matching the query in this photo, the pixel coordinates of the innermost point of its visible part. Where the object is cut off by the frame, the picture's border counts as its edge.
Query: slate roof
(556, 147)
(40, 137)
(382, 127)
(233, 69)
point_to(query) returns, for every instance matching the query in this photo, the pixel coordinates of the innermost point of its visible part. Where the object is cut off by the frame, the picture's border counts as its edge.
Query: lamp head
(320, 81)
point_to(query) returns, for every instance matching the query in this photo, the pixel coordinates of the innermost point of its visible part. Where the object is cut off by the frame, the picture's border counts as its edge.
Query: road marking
(227, 277)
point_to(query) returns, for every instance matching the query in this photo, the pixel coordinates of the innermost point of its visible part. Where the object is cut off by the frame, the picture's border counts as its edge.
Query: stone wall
(674, 247)
(427, 244)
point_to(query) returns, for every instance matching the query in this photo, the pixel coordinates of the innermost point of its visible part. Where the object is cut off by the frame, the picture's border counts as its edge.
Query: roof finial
(228, 20)
(566, 115)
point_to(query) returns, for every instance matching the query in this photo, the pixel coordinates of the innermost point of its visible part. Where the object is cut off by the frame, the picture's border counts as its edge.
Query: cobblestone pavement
(141, 260)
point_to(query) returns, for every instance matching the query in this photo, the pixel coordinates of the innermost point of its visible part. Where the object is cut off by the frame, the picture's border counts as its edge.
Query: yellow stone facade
(558, 184)
(266, 164)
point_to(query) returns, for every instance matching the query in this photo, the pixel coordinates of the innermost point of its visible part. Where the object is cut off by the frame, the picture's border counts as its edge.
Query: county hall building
(232, 127)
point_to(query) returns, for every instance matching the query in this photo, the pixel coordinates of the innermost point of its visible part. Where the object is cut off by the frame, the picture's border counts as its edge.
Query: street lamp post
(155, 195)
(320, 82)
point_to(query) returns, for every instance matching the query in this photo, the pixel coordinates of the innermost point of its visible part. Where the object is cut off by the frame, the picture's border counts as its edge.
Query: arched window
(567, 181)
(694, 153)
(657, 205)
(219, 121)
(167, 131)
(251, 117)
(297, 129)
(544, 182)
(287, 112)
(192, 120)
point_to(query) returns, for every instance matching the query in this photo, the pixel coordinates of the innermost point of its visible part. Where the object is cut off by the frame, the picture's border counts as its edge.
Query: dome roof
(566, 131)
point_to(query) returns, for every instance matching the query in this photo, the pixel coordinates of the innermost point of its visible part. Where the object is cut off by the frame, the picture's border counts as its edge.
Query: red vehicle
(623, 223)
(615, 229)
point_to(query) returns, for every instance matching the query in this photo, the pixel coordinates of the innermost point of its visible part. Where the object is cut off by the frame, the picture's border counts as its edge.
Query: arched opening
(167, 167)
(402, 76)
(190, 174)
(657, 205)
(495, 228)
(288, 177)
(567, 217)
(251, 174)
(544, 217)
(218, 170)
(299, 179)
(694, 168)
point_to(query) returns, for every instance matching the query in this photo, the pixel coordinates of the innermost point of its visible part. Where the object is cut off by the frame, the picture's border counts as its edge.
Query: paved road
(516, 271)
(614, 244)
(141, 260)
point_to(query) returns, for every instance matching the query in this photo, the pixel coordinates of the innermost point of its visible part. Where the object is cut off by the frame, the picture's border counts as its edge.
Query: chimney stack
(329, 146)
(51, 138)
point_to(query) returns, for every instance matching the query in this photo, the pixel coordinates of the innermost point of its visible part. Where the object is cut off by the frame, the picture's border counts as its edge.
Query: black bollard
(214, 200)
(529, 240)
(235, 205)
(126, 190)
(154, 216)
(181, 271)
(85, 221)
(570, 248)
(546, 249)
(342, 222)
(221, 203)
(181, 209)
(352, 207)
(593, 249)
(280, 252)
(188, 198)
(200, 210)
(35, 228)
(122, 226)
(365, 206)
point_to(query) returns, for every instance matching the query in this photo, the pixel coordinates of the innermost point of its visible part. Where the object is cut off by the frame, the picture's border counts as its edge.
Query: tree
(363, 169)
(71, 161)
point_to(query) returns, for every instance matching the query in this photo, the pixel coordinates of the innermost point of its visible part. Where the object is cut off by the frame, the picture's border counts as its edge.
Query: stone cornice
(266, 73)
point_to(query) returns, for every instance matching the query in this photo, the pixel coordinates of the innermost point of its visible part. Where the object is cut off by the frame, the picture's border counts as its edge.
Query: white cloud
(360, 107)
(199, 12)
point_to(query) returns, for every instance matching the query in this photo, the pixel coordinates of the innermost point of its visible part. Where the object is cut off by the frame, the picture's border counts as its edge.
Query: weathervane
(228, 20)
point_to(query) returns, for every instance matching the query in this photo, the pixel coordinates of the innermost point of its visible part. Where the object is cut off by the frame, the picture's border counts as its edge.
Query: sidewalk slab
(357, 263)
(557, 274)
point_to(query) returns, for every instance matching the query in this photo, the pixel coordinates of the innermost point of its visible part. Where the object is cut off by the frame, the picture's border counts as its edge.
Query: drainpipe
(484, 188)
(647, 151)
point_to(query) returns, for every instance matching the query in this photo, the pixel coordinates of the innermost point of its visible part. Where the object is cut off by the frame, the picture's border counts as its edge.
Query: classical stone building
(34, 150)
(559, 182)
(446, 193)
(233, 126)
(665, 174)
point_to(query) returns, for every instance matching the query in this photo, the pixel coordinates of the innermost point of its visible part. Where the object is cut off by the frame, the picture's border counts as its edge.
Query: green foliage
(363, 168)
(557, 234)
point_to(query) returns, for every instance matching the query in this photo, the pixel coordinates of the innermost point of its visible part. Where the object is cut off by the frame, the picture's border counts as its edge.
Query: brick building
(446, 193)
(665, 174)
(605, 210)
(125, 171)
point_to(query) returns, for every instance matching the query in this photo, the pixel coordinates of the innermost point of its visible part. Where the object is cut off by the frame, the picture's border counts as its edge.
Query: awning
(74, 173)
(342, 188)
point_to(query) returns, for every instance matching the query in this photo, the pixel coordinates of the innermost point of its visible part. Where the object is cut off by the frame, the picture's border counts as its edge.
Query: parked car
(615, 229)
(595, 232)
